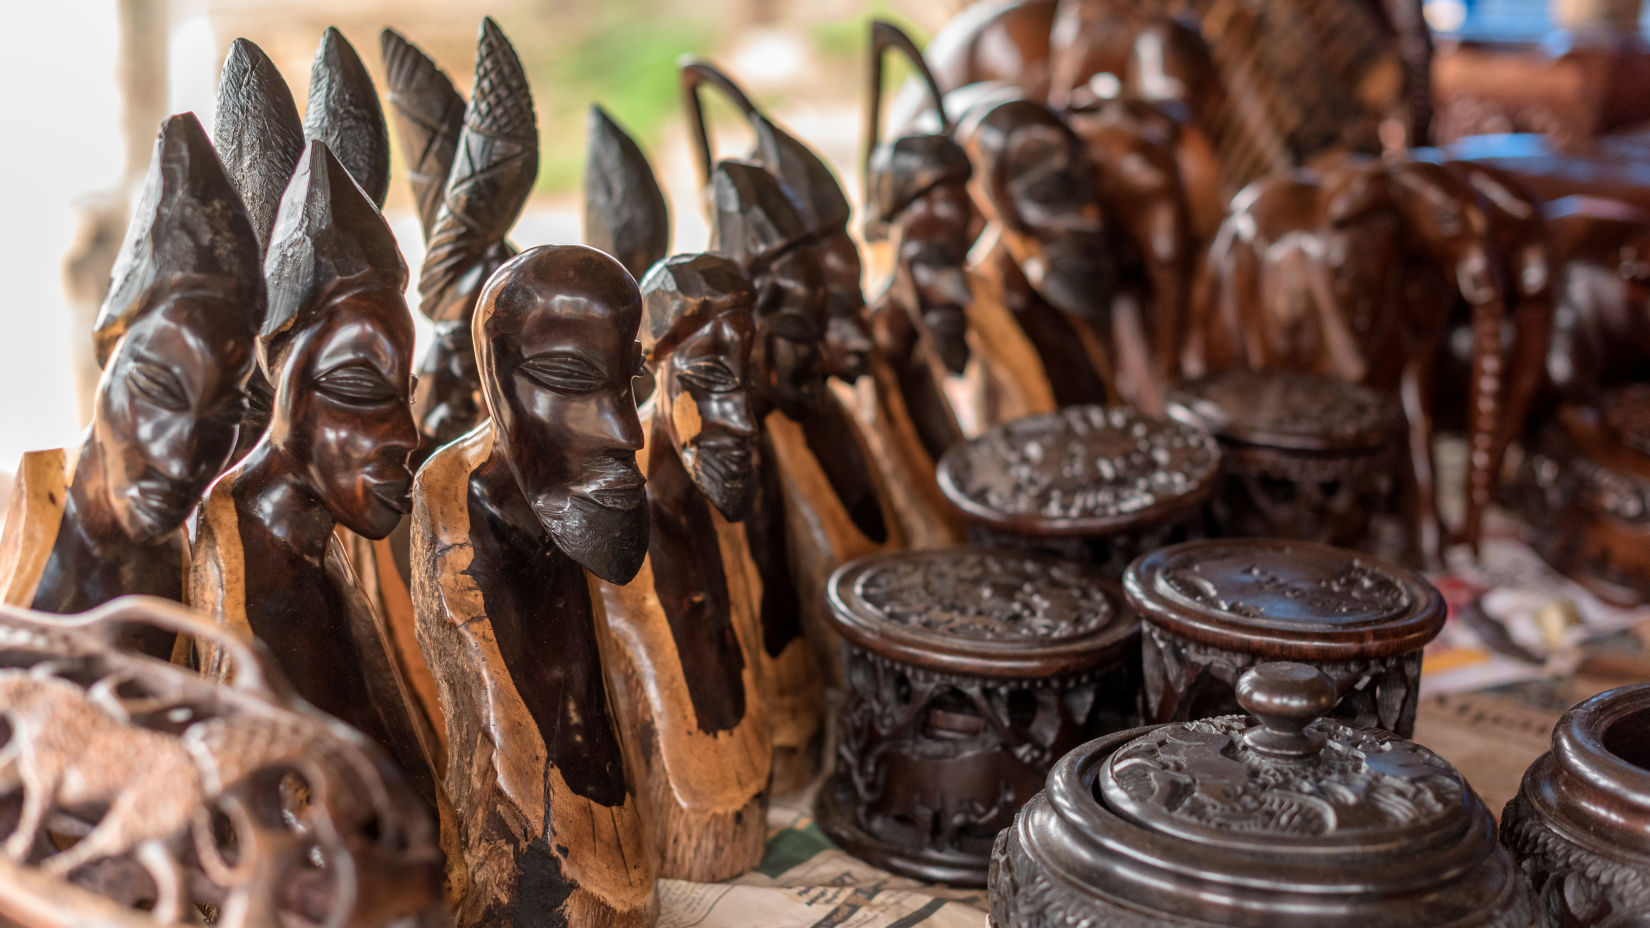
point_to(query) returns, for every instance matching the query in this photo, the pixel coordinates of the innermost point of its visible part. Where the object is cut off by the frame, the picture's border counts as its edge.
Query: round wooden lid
(1286, 409)
(1596, 779)
(1283, 599)
(1082, 470)
(980, 612)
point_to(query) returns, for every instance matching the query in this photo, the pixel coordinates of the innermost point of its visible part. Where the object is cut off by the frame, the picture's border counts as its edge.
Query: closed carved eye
(158, 386)
(356, 383)
(711, 376)
(564, 373)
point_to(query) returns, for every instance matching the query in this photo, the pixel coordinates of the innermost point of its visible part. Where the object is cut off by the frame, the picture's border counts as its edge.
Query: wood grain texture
(529, 849)
(38, 497)
(705, 791)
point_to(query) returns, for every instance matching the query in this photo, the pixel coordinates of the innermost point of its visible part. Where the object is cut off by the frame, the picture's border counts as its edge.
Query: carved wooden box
(1214, 608)
(1584, 489)
(1302, 456)
(1295, 822)
(1099, 484)
(1580, 824)
(968, 673)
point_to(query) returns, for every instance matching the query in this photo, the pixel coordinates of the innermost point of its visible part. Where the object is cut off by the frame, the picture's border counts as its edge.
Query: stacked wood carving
(577, 596)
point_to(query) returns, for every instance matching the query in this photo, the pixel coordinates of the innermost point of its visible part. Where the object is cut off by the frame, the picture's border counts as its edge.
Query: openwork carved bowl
(1580, 824)
(968, 673)
(1214, 608)
(1100, 484)
(1295, 822)
(1302, 456)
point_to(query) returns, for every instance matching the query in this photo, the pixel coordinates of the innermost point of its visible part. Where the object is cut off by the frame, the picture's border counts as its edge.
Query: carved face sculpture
(1036, 179)
(933, 239)
(847, 342)
(175, 337)
(756, 224)
(342, 413)
(168, 407)
(555, 336)
(697, 333)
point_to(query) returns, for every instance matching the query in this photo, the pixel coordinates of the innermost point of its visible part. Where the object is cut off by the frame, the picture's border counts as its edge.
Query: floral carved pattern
(1574, 887)
(978, 595)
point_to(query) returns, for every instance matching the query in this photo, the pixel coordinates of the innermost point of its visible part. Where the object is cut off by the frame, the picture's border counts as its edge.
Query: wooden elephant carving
(1351, 271)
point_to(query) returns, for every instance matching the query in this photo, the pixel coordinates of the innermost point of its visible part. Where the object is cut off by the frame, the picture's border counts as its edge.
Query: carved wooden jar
(968, 673)
(1302, 456)
(1214, 608)
(1296, 822)
(1099, 484)
(1584, 489)
(1580, 824)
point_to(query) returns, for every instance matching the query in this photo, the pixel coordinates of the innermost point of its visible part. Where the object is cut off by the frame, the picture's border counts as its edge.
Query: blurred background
(91, 80)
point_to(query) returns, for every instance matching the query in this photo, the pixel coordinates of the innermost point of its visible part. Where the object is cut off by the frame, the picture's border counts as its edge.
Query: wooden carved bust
(513, 525)
(962, 363)
(1047, 259)
(486, 156)
(683, 638)
(336, 346)
(175, 337)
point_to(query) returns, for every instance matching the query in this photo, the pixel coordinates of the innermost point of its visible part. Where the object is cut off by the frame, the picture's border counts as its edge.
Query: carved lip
(160, 506)
(619, 493)
(396, 494)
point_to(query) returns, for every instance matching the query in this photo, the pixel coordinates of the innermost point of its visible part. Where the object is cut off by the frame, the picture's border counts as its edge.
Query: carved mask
(847, 340)
(555, 336)
(698, 331)
(932, 241)
(175, 336)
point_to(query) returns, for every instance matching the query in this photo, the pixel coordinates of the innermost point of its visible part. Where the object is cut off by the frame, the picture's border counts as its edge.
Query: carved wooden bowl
(1584, 489)
(1214, 608)
(1580, 824)
(968, 673)
(1296, 822)
(1099, 484)
(1302, 456)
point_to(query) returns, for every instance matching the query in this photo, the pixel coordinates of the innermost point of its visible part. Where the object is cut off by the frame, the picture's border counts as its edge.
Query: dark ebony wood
(175, 338)
(1578, 825)
(1302, 456)
(624, 210)
(1212, 609)
(1295, 822)
(967, 674)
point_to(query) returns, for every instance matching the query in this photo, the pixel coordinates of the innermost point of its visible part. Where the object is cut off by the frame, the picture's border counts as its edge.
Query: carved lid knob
(1285, 698)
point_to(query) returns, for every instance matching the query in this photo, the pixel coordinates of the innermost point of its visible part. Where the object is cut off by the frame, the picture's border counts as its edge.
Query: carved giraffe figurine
(175, 337)
(961, 363)
(515, 528)
(682, 639)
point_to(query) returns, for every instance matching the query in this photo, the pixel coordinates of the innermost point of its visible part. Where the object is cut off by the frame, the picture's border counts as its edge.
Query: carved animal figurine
(493, 161)
(336, 344)
(1348, 272)
(181, 791)
(1046, 254)
(175, 338)
(961, 364)
(683, 639)
(514, 526)
(624, 210)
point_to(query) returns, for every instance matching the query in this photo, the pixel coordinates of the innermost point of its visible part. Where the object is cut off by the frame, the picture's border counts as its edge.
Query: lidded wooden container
(1580, 824)
(1098, 484)
(1302, 456)
(1295, 822)
(1211, 609)
(967, 674)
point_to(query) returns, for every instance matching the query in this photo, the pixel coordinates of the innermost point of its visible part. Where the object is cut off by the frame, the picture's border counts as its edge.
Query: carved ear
(625, 213)
(429, 114)
(343, 111)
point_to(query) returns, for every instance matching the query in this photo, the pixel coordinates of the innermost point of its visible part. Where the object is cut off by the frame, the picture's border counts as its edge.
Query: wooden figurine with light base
(175, 337)
(514, 527)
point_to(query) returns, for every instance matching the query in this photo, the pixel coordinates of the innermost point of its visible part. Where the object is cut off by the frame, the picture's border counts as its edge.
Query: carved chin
(609, 543)
(724, 478)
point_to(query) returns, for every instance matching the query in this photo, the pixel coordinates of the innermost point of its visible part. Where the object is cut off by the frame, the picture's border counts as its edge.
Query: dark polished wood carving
(967, 674)
(624, 210)
(175, 338)
(344, 113)
(1281, 817)
(1302, 456)
(141, 794)
(683, 639)
(336, 344)
(514, 526)
(1577, 825)
(1213, 609)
